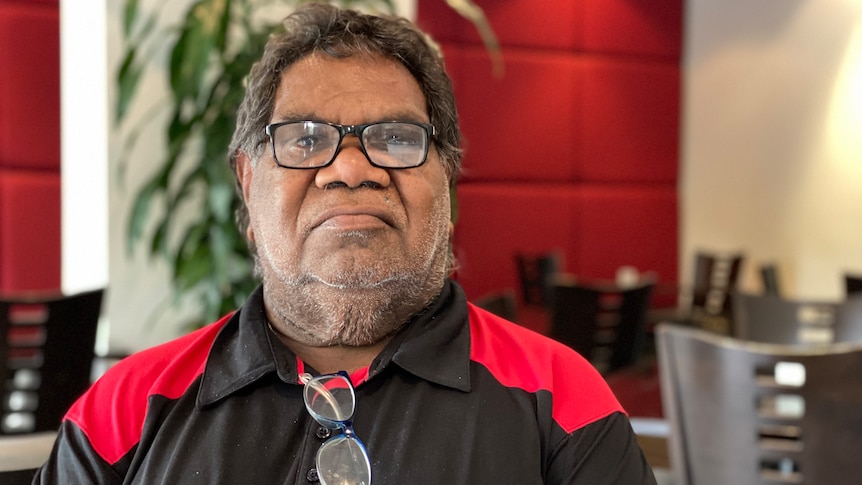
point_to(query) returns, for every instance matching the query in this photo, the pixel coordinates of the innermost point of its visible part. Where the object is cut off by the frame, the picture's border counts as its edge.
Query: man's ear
(243, 173)
(243, 168)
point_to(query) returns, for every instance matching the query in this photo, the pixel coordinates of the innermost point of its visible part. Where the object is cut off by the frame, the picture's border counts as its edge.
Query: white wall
(772, 138)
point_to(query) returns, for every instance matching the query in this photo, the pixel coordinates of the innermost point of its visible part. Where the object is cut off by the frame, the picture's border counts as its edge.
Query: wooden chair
(706, 302)
(606, 324)
(46, 357)
(852, 283)
(747, 413)
(536, 273)
(772, 319)
(769, 278)
(715, 278)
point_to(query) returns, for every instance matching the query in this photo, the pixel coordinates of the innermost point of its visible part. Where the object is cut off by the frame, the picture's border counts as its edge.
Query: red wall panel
(513, 129)
(29, 231)
(575, 147)
(551, 24)
(630, 125)
(29, 86)
(642, 27)
(496, 221)
(597, 229)
(628, 225)
(29, 146)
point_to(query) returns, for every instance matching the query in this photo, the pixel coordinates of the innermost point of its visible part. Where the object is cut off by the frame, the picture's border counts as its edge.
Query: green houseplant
(211, 51)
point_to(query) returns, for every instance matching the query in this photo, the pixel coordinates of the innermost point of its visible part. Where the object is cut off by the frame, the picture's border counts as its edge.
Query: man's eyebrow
(282, 117)
(406, 115)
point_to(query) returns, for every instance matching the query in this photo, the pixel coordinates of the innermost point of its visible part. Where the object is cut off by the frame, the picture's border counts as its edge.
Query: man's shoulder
(493, 334)
(184, 355)
(111, 413)
(518, 357)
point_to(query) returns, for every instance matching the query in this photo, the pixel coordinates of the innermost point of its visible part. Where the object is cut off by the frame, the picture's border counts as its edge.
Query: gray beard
(352, 311)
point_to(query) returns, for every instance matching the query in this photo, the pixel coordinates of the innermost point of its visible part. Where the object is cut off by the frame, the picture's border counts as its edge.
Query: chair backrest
(848, 320)
(751, 413)
(772, 319)
(46, 357)
(852, 283)
(604, 323)
(769, 278)
(715, 277)
(536, 273)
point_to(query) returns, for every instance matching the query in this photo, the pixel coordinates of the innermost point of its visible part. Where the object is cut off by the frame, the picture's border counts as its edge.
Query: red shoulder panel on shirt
(521, 358)
(111, 413)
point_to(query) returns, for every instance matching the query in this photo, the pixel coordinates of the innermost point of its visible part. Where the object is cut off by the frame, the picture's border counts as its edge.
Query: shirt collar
(241, 353)
(434, 345)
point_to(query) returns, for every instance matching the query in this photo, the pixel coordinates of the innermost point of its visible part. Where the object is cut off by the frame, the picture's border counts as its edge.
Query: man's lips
(354, 218)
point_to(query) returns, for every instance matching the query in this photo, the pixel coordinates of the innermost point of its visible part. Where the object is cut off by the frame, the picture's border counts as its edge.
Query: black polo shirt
(460, 396)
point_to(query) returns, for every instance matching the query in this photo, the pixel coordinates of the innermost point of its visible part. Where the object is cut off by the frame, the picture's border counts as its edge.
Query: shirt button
(311, 476)
(323, 432)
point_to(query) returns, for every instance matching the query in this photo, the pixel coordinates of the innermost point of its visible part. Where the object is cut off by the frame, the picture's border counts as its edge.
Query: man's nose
(351, 168)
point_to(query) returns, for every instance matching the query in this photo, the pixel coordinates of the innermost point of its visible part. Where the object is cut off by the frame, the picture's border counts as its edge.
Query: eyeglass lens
(311, 144)
(342, 459)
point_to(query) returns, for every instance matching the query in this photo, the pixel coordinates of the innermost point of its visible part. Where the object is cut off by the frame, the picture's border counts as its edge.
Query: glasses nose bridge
(355, 130)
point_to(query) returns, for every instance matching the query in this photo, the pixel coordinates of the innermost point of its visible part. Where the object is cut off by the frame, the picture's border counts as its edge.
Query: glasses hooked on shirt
(315, 144)
(342, 459)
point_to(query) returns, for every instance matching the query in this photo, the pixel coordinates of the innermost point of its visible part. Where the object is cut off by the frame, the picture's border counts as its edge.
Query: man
(345, 150)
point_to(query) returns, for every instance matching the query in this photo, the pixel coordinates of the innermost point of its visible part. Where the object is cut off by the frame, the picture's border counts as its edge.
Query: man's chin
(356, 282)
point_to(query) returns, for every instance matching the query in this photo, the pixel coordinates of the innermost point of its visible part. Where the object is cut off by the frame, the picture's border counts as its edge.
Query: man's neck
(328, 360)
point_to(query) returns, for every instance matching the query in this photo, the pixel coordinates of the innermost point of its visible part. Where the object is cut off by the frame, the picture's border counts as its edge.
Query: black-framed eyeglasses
(314, 144)
(342, 459)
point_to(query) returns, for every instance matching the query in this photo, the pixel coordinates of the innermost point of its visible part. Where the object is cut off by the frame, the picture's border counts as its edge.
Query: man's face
(344, 248)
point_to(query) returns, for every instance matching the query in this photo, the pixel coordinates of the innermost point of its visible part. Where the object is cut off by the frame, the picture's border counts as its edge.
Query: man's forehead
(362, 88)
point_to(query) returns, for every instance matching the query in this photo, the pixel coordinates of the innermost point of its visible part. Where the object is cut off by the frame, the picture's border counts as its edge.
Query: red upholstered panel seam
(29, 86)
(29, 231)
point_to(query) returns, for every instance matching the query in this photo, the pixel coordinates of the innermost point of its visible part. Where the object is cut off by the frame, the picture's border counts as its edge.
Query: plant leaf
(130, 12)
(127, 79)
(140, 211)
(159, 242)
(192, 255)
(191, 55)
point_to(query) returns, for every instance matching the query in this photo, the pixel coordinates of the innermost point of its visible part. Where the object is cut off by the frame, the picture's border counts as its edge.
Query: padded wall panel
(598, 229)
(626, 225)
(595, 173)
(29, 231)
(496, 221)
(29, 85)
(630, 124)
(565, 117)
(535, 23)
(523, 126)
(644, 27)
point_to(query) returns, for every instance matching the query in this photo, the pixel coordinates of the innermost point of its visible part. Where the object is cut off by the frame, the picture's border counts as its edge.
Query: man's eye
(307, 141)
(402, 140)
